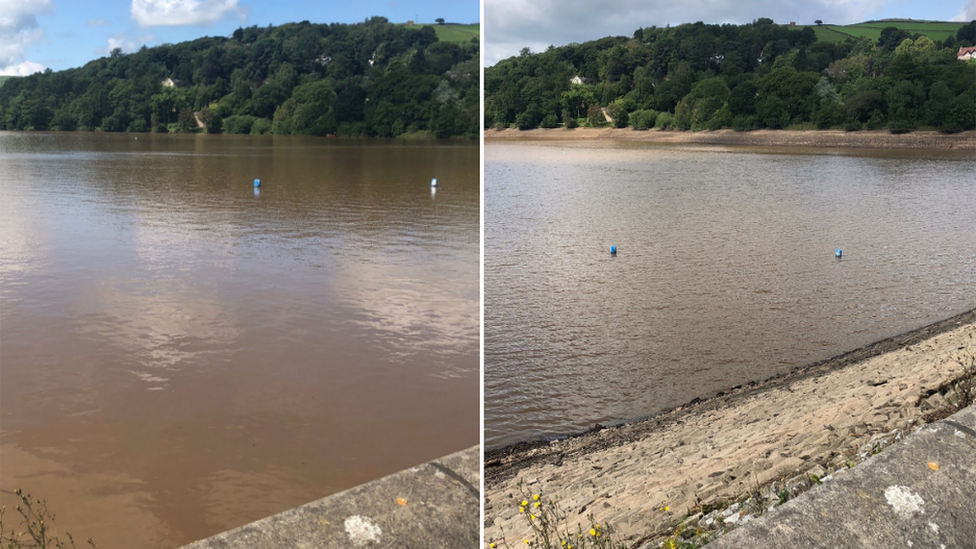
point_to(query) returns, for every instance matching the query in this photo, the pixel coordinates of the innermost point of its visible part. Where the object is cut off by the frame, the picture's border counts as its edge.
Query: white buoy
(433, 182)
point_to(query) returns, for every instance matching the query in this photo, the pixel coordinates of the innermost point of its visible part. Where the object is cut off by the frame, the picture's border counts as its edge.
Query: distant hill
(4, 79)
(938, 31)
(373, 78)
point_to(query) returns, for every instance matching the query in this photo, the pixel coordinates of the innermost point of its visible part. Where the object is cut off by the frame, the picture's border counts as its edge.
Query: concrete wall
(917, 494)
(433, 505)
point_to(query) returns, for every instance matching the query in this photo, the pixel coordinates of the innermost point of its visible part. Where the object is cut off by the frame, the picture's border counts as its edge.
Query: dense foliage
(759, 75)
(373, 78)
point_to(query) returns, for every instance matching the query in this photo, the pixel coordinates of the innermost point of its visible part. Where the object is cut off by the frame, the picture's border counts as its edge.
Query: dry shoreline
(725, 447)
(759, 138)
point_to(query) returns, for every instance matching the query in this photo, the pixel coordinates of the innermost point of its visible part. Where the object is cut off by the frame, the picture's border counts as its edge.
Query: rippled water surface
(725, 271)
(181, 354)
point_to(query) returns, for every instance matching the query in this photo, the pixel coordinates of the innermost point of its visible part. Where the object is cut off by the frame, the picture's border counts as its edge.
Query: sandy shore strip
(759, 138)
(645, 477)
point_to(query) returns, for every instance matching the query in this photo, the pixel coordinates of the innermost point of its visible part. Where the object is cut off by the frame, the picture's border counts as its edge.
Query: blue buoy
(257, 182)
(838, 253)
(433, 182)
(613, 250)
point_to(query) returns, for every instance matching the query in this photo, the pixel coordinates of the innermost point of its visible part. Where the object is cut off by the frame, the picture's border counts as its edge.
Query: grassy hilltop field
(453, 32)
(937, 31)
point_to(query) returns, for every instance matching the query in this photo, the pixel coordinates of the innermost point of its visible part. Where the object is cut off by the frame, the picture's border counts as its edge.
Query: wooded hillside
(758, 75)
(373, 78)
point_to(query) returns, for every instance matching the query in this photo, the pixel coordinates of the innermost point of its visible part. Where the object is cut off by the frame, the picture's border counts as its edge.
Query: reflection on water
(725, 270)
(183, 352)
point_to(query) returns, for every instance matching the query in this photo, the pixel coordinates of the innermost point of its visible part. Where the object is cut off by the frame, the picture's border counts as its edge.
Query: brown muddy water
(725, 271)
(180, 355)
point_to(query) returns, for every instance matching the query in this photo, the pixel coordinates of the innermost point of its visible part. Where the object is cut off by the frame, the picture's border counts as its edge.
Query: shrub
(239, 123)
(526, 121)
(745, 122)
(663, 121)
(261, 126)
(550, 121)
(643, 120)
(877, 121)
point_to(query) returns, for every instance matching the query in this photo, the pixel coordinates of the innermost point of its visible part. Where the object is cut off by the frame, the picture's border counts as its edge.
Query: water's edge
(493, 455)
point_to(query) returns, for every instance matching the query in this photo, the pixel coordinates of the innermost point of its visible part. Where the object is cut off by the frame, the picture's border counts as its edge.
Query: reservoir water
(181, 354)
(724, 273)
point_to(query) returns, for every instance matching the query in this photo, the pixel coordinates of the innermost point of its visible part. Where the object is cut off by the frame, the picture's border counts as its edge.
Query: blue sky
(61, 34)
(511, 25)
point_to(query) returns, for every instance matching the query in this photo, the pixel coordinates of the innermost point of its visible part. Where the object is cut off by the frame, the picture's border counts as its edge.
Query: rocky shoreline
(717, 458)
(964, 141)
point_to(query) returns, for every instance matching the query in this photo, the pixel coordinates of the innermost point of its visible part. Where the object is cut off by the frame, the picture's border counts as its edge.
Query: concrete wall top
(433, 505)
(917, 494)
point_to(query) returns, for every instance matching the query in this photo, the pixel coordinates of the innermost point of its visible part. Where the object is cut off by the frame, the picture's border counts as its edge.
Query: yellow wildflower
(524, 503)
(535, 497)
(592, 532)
(537, 504)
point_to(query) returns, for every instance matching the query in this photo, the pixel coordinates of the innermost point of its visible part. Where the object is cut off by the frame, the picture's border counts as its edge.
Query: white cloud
(172, 13)
(511, 25)
(26, 68)
(18, 31)
(19, 14)
(967, 13)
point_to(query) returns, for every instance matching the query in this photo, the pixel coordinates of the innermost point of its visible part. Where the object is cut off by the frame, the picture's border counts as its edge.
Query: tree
(891, 37)
(595, 117)
(967, 33)
(577, 98)
(186, 122)
(937, 107)
(439, 20)
(309, 111)
(213, 122)
(818, 22)
(619, 115)
(904, 103)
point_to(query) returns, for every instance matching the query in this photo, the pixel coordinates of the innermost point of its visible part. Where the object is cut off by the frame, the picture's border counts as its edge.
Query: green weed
(36, 528)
